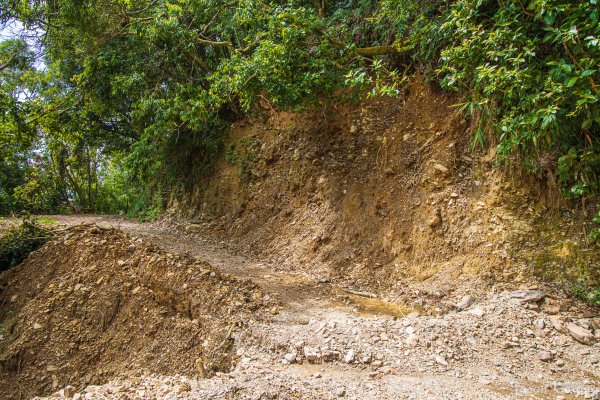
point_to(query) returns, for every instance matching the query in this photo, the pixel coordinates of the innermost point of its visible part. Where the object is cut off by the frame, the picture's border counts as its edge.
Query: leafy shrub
(18, 241)
(146, 206)
(591, 295)
(530, 74)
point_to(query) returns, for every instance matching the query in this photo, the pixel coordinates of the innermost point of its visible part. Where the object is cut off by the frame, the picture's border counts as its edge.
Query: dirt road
(329, 342)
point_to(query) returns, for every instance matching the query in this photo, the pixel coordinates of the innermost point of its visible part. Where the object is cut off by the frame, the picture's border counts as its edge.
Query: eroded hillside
(383, 193)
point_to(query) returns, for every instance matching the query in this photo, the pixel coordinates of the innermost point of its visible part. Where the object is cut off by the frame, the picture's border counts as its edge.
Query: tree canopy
(135, 95)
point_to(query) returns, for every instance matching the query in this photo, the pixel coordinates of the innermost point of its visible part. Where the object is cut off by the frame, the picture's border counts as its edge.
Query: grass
(45, 221)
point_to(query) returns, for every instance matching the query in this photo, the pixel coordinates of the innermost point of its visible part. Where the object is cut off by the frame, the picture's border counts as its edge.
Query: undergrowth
(590, 295)
(18, 241)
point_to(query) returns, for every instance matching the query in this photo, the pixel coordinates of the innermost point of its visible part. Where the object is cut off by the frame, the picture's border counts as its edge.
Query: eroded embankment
(94, 303)
(378, 194)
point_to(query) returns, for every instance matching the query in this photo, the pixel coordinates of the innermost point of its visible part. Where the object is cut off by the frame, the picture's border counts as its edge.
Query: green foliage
(45, 221)
(530, 70)
(590, 295)
(147, 205)
(17, 242)
(18, 81)
(137, 95)
(12, 175)
(595, 233)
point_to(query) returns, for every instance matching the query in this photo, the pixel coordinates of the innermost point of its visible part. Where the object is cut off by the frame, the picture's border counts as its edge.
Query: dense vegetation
(135, 95)
(18, 241)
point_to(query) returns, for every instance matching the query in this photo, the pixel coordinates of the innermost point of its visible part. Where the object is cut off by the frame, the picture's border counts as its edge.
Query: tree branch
(214, 43)
(375, 51)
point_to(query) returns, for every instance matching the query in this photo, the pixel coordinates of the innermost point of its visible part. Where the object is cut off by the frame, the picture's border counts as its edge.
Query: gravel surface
(323, 343)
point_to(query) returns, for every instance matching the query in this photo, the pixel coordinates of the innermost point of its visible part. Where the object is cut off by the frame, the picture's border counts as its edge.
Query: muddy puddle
(367, 306)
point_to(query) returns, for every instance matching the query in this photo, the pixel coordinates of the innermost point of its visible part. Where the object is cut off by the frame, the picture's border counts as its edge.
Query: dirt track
(324, 342)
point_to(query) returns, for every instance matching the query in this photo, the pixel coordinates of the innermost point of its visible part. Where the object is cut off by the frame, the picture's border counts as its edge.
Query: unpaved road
(324, 342)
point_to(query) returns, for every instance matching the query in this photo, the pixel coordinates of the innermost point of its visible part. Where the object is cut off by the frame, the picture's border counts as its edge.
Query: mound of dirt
(93, 304)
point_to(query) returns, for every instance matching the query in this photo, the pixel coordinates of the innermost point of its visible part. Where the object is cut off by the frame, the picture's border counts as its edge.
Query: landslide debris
(94, 303)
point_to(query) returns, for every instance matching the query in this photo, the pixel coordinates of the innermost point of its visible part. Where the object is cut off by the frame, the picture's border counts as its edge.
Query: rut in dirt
(298, 293)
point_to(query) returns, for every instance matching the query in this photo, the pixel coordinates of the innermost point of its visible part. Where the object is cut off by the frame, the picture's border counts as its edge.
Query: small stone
(37, 325)
(440, 168)
(509, 345)
(434, 221)
(350, 356)
(69, 391)
(340, 392)
(441, 360)
(200, 368)
(540, 323)
(528, 296)
(580, 334)
(545, 356)
(465, 302)
(551, 308)
(290, 357)
(412, 340)
(310, 354)
(529, 332)
(558, 324)
(477, 312)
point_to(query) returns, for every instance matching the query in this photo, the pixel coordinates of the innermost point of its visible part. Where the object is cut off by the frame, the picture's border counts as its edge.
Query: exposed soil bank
(383, 194)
